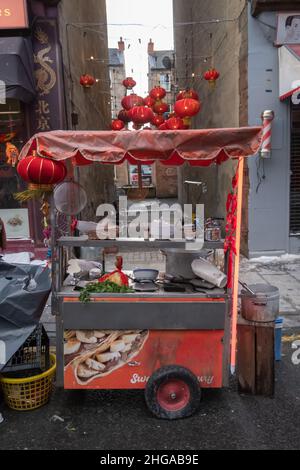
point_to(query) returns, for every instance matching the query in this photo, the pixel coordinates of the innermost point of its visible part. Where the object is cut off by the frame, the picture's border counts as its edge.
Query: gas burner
(145, 286)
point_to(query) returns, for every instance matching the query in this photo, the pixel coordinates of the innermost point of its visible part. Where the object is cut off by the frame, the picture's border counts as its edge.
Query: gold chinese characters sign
(13, 14)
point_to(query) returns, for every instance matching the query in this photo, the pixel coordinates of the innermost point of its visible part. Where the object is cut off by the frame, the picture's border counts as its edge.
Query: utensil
(209, 272)
(178, 261)
(144, 274)
(243, 284)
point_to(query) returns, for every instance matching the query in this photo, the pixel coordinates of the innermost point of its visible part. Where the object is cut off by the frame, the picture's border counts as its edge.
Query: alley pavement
(111, 420)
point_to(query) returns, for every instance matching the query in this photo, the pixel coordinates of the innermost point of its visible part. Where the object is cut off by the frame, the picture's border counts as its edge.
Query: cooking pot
(263, 306)
(178, 261)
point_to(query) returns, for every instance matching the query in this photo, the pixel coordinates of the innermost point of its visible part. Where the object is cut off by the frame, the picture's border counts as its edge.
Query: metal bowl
(141, 274)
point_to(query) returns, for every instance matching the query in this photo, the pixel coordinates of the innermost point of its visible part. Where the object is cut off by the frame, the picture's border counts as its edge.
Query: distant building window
(165, 81)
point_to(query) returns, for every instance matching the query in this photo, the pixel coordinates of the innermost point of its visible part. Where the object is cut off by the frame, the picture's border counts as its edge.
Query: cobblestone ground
(283, 273)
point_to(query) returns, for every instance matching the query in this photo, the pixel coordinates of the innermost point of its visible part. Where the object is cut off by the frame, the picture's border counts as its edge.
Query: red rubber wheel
(172, 392)
(173, 395)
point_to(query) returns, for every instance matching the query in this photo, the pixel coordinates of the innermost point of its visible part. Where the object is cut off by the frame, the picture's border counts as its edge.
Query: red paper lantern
(141, 114)
(129, 83)
(157, 93)
(211, 76)
(132, 100)
(161, 107)
(148, 101)
(157, 120)
(117, 125)
(162, 127)
(188, 93)
(41, 171)
(174, 124)
(123, 116)
(187, 107)
(87, 81)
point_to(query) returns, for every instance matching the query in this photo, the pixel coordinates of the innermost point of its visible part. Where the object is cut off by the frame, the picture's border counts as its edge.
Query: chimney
(150, 47)
(121, 45)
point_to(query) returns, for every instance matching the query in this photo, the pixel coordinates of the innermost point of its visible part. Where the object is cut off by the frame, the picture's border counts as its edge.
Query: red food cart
(170, 344)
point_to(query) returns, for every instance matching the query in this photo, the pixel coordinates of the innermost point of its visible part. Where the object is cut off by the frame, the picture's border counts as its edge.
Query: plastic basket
(33, 354)
(29, 393)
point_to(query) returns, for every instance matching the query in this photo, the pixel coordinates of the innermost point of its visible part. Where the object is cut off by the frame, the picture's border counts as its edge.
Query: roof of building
(161, 60)
(116, 58)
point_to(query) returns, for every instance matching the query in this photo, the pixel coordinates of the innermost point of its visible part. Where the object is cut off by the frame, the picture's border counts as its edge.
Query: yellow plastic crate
(31, 392)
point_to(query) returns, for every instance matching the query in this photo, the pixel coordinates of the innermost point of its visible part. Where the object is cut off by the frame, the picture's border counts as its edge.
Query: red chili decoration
(157, 93)
(117, 125)
(87, 81)
(129, 83)
(187, 107)
(132, 100)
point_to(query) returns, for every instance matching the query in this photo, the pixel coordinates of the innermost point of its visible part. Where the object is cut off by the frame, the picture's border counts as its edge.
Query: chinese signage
(48, 112)
(13, 14)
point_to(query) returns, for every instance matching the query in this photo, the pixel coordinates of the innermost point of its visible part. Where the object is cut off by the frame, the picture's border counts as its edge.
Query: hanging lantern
(117, 125)
(187, 93)
(174, 124)
(163, 127)
(157, 93)
(41, 174)
(161, 107)
(157, 120)
(129, 83)
(211, 76)
(87, 81)
(123, 116)
(187, 107)
(132, 100)
(148, 101)
(141, 114)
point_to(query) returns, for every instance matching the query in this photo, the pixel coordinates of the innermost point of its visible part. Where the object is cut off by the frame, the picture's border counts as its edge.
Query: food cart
(170, 344)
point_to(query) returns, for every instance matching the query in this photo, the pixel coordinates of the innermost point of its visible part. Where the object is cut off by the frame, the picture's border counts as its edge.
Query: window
(165, 81)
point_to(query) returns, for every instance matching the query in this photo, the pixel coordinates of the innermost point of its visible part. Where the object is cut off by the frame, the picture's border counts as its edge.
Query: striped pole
(267, 117)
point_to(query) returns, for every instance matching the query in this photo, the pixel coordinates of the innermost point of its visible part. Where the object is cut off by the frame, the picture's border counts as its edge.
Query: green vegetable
(102, 287)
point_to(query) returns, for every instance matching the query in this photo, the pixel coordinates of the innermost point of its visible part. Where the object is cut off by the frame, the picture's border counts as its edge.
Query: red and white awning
(289, 71)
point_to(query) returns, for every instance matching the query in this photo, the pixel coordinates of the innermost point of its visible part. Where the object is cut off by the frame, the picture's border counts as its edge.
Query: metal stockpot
(178, 261)
(263, 306)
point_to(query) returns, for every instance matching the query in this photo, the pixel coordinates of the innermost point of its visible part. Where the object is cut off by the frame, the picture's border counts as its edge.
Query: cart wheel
(172, 392)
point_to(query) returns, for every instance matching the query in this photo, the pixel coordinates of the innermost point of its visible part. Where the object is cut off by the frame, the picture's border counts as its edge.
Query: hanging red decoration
(87, 81)
(123, 116)
(141, 114)
(40, 171)
(132, 100)
(148, 101)
(161, 107)
(157, 120)
(163, 127)
(117, 125)
(211, 76)
(174, 123)
(129, 83)
(157, 93)
(187, 93)
(187, 107)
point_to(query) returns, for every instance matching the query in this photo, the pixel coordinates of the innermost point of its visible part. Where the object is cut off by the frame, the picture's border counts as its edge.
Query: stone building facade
(239, 39)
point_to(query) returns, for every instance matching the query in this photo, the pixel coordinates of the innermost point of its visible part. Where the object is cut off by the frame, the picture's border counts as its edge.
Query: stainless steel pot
(263, 306)
(178, 261)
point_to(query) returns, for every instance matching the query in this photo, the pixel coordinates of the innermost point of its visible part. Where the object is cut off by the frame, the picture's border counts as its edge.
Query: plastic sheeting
(20, 309)
(198, 147)
(16, 68)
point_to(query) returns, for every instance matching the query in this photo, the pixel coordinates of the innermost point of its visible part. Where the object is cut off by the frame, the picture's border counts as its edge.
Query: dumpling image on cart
(99, 357)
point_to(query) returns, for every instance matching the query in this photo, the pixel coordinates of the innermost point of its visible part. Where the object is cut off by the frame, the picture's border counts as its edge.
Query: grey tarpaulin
(20, 310)
(16, 68)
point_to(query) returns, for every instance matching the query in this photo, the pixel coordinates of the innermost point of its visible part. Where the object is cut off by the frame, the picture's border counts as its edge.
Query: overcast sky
(124, 18)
